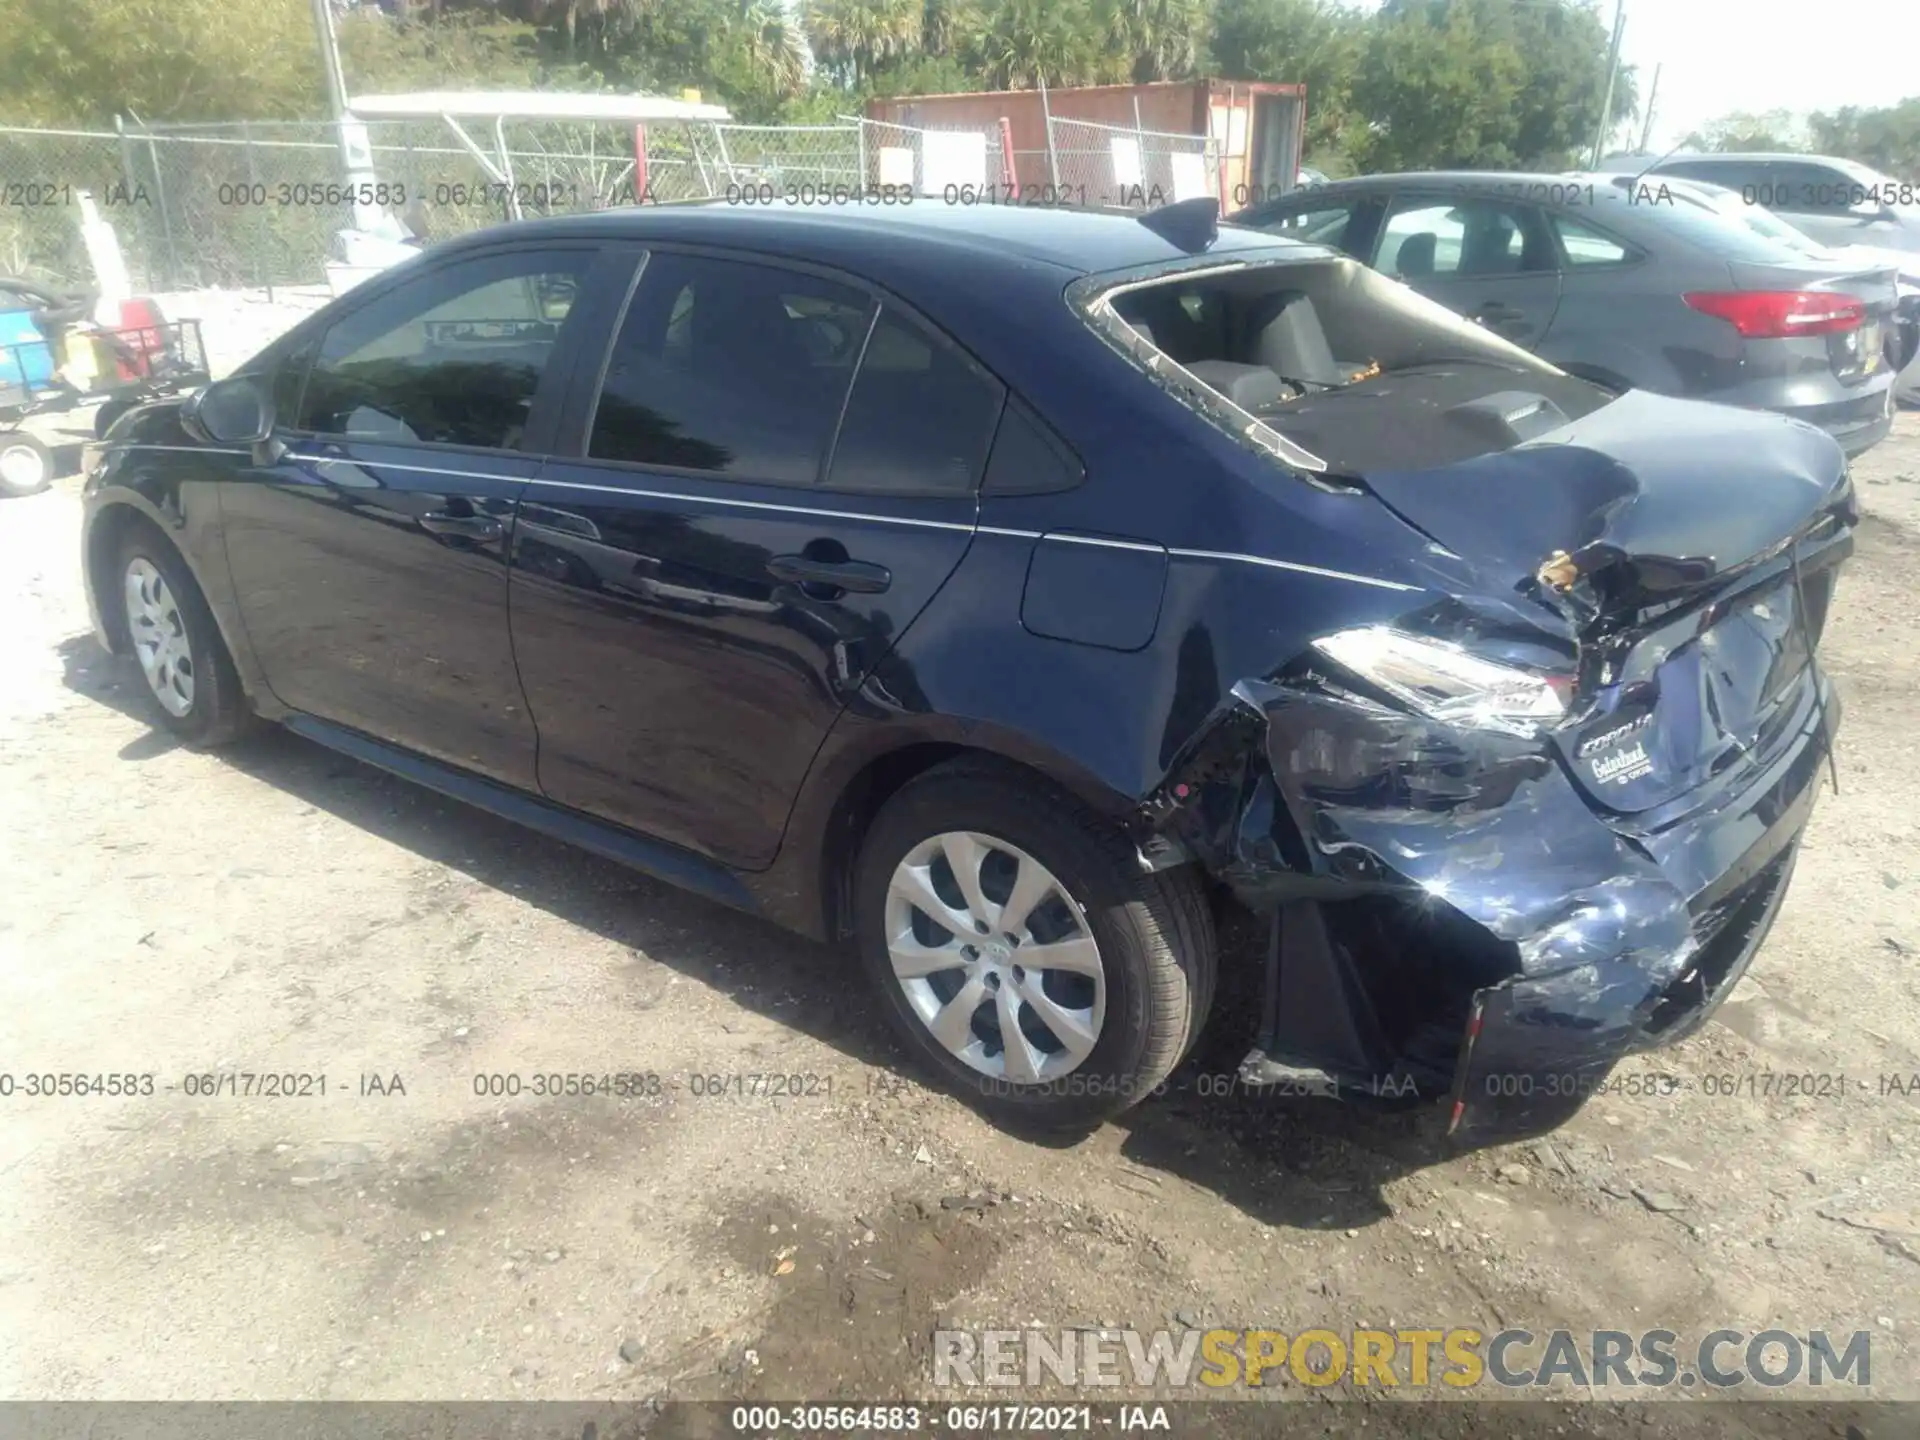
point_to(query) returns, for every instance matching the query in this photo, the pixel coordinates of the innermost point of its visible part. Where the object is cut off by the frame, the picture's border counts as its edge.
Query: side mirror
(238, 411)
(229, 412)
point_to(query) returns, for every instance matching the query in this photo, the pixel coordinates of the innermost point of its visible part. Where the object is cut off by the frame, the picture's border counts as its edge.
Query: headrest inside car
(1248, 386)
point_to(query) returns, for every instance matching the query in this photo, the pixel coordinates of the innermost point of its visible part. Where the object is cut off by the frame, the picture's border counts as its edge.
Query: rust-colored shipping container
(1255, 127)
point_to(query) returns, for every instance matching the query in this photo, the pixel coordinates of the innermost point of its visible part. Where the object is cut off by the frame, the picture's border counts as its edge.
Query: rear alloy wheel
(1022, 952)
(171, 632)
(26, 464)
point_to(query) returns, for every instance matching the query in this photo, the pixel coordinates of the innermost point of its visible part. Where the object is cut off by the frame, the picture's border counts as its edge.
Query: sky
(1724, 55)
(1719, 56)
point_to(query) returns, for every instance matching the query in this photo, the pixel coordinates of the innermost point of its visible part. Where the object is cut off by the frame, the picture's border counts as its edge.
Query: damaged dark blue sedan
(1011, 592)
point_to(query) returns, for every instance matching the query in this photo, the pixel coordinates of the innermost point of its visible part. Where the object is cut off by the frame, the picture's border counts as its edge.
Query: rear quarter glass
(1702, 229)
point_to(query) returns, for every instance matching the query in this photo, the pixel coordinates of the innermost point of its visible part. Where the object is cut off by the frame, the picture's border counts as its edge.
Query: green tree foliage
(1026, 43)
(1887, 138)
(852, 39)
(1412, 84)
(1483, 84)
(1157, 39)
(1743, 132)
(380, 56)
(81, 62)
(1426, 83)
(1312, 42)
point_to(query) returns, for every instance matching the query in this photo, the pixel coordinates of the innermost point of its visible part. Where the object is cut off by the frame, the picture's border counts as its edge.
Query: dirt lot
(280, 909)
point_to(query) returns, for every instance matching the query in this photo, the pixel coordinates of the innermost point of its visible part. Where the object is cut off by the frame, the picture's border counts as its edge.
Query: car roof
(994, 277)
(1741, 157)
(1436, 177)
(1540, 187)
(1687, 184)
(881, 241)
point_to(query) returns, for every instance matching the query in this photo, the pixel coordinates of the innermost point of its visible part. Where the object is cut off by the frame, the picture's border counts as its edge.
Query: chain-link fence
(789, 164)
(257, 204)
(42, 175)
(959, 165)
(1112, 165)
(754, 163)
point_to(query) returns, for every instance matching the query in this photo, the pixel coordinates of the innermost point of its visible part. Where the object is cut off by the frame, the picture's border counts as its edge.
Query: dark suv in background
(1624, 286)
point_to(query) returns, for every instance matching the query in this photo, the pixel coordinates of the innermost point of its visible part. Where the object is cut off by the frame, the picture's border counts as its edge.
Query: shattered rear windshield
(1329, 366)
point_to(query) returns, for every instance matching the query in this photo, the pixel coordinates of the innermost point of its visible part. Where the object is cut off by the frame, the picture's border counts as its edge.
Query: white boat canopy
(530, 105)
(500, 106)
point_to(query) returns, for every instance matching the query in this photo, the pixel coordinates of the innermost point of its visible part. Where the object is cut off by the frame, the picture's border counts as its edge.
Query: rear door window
(1465, 237)
(1726, 236)
(920, 417)
(730, 367)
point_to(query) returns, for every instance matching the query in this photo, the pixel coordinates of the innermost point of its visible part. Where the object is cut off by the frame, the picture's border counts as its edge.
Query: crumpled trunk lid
(1726, 684)
(1675, 526)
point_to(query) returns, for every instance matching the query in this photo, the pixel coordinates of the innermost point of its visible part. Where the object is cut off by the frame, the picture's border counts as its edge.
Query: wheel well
(861, 800)
(110, 528)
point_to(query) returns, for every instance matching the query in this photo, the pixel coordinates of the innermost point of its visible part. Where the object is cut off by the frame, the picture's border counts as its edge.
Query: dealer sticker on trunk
(1614, 756)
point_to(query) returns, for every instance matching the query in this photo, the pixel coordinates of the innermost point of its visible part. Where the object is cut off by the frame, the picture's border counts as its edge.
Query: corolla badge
(1621, 761)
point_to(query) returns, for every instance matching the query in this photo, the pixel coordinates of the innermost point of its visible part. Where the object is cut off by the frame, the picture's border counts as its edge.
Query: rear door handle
(1496, 310)
(466, 527)
(856, 575)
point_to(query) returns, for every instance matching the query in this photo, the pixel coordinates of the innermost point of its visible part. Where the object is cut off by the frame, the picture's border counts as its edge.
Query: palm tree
(1156, 39)
(1034, 42)
(568, 14)
(854, 36)
(947, 25)
(773, 44)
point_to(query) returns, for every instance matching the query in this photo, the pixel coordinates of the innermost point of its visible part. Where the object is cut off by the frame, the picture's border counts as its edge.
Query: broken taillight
(1447, 682)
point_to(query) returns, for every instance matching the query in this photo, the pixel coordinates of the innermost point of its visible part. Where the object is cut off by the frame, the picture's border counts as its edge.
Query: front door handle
(465, 527)
(857, 575)
(1497, 312)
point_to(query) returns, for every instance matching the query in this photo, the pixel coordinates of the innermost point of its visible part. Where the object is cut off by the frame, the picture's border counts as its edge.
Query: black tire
(1154, 933)
(26, 464)
(218, 712)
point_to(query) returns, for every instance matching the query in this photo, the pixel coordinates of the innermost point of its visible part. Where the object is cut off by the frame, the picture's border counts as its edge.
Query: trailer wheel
(26, 464)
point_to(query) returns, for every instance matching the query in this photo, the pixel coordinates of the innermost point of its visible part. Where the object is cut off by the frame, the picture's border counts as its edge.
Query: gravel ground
(275, 908)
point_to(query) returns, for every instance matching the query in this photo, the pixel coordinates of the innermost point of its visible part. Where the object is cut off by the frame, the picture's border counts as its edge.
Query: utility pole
(1646, 127)
(1605, 126)
(356, 149)
(336, 79)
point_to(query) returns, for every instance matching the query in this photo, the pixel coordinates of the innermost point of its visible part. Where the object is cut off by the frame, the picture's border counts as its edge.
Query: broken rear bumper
(1537, 1048)
(1462, 924)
